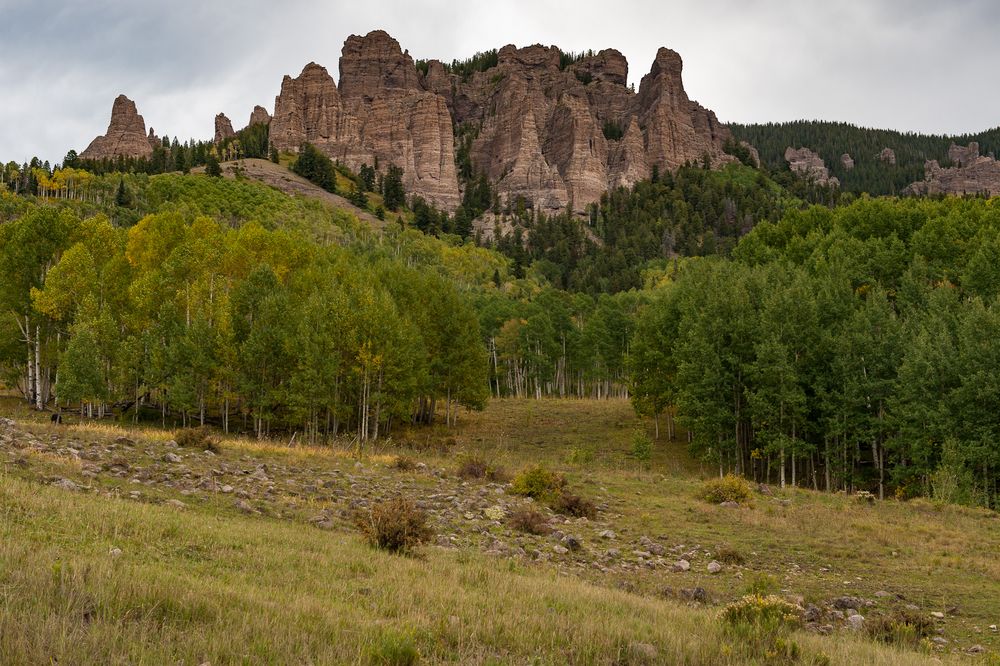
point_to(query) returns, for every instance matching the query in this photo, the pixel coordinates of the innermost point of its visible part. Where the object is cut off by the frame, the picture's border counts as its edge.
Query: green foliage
(393, 193)
(315, 167)
(212, 167)
(900, 627)
(762, 584)
(397, 526)
(730, 488)
(538, 483)
(642, 447)
(613, 130)
(394, 648)
(759, 627)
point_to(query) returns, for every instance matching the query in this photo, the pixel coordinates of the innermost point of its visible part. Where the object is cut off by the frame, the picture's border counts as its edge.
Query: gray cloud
(917, 65)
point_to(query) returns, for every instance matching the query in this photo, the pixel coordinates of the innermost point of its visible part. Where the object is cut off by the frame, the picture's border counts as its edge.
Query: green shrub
(642, 447)
(902, 627)
(730, 488)
(581, 455)
(762, 585)
(538, 483)
(397, 526)
(394, 649)
(758, 627)
(197, 438)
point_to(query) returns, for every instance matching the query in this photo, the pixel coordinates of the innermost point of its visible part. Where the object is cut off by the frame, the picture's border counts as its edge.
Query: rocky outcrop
(847, 161)
(379, 115)
(154, 141)
(550, 131)
(972, 174)
(807, 164)
(259, 116)
(223, 128)
(888, 156)
(126, 135)
(961, 156)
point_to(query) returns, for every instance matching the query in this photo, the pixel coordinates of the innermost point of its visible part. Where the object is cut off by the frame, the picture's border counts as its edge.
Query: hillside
(870, 173)
(108, 525)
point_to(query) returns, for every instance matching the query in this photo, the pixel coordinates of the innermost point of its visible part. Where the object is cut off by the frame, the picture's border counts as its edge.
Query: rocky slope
(972, 173)
(126, 135)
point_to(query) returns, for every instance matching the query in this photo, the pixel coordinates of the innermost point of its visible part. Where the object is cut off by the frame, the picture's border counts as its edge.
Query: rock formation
(223, 128)
(154, 141)
(847, 161)
(126, 135)
(546, 130)
(809, 165)
(888, 156)
(972, 174)
(380, 115)
(259, 116)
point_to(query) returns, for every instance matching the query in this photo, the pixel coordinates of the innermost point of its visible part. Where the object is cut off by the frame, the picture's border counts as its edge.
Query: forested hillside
(870, 174)
(855, 348)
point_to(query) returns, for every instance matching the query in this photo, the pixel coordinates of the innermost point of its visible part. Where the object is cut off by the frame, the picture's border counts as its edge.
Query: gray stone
(714, 567)
(856, 621)
(171, 457)
(681, 565)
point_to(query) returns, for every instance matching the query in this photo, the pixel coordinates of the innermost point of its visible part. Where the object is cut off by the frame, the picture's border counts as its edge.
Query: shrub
(397, 526)
(580, 455)
(730, 488)
(729, 555)
(758, 626)
(394, 649)
(538, 483)
(530, 521)
(762, 585)
(574, 505)
(476, 468)
(197, 438)
(642, 447)
(902, 627)
(404, 463)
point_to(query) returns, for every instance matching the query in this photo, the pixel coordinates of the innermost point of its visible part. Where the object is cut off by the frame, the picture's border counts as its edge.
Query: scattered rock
(937, 615)
(65, 484)
(607, 534)
(561, 550)
(843, 603)
(171, 457)
(244, 507)
(714, 567)
(856, 622)
(729, 505)
(698, 594)
(572, 542)
(177, 504)
(975, 649)
(681, 565)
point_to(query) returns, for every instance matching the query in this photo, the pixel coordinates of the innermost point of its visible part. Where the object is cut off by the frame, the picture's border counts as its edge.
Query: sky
(912, 65)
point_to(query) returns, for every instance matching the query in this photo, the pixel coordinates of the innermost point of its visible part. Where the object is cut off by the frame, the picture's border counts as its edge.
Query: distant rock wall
(972, 174)
(809, 165)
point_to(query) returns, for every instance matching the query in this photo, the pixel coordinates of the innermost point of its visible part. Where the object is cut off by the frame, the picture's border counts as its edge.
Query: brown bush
(404, 463)
(477, 468)
(574, 505)
(530, 521)
(729, 555)
(197, 438)
(397, 526)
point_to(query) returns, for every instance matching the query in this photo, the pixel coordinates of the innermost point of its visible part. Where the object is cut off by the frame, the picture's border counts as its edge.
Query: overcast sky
(922, 65)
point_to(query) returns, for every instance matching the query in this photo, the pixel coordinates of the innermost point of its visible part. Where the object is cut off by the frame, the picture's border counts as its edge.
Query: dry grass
(193, 587)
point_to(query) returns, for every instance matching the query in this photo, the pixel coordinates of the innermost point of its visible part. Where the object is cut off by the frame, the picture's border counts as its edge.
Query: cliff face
(972, 174)
(809, 165)
(561, 134)
(126, 135)
(378, 114)
(556, 131)
(552, 133)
